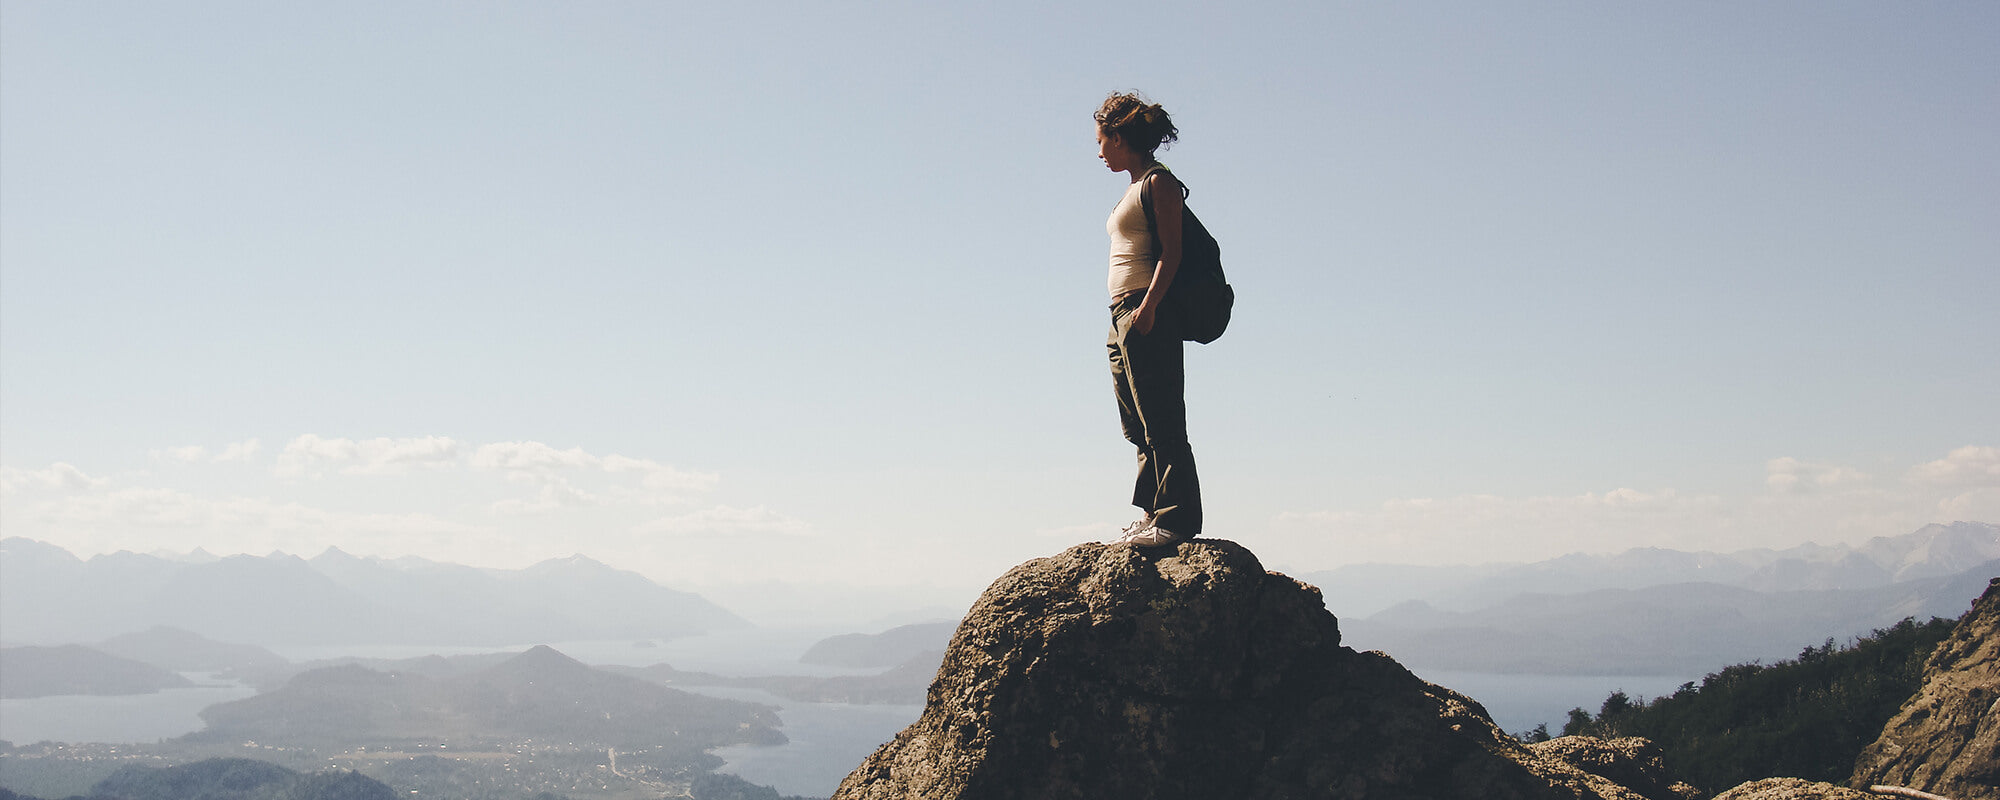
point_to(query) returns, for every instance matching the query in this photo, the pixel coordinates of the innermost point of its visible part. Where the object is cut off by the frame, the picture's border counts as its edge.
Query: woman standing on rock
(1145, 343)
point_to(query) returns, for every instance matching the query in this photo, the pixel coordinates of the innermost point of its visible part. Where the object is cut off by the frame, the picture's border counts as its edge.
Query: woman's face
(1113, 152)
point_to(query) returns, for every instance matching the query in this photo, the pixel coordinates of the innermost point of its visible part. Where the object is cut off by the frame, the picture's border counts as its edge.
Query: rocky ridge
(1946, 739)
(1109, 671)
(1632, 762)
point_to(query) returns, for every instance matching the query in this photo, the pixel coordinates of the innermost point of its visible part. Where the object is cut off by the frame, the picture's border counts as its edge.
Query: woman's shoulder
(1160, 177)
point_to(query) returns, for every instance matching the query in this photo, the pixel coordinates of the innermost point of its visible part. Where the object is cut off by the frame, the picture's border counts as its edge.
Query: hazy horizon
(801, 295)
(1353, 593)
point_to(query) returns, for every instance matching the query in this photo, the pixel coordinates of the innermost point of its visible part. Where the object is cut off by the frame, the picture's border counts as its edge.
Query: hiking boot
(1153, 536)
(1134, 528)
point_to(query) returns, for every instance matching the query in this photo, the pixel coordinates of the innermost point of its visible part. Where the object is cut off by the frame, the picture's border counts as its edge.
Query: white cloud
(530, 457)
(1488, 527)
(239, 451)
(141, 518)
(1965, 466)
(1979, 505)
(190, 454)
(197, 454)
(539, 464)
(1800, 501)
(515, 500)
(57, 477)
(660, 476)
(1789, 474)
(156, 508)
(538, 458)
(727, 520)
(367, 456)
(555, 493)
(1970, 476)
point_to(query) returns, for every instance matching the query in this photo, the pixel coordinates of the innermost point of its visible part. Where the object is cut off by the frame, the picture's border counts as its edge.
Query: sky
(795, 302)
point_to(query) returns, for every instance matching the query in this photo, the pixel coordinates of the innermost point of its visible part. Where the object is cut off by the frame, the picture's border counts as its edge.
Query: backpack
(1200, 298)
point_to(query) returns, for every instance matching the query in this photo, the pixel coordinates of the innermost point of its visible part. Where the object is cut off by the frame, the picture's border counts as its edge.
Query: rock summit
(1108, 671)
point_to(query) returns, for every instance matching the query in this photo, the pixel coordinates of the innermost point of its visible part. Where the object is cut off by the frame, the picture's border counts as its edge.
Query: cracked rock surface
(1107, 671)
(1946, 739)
(1793, 789)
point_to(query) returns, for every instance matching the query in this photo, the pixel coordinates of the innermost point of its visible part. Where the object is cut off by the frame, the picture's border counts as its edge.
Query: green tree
(337, 785)
(1807, 718)
(1614, 706)
(1579, 723)
(212, 779)
(1539, 733)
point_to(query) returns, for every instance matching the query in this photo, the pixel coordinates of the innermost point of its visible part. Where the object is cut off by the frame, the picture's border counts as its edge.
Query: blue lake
(121, 719)
(827, 740)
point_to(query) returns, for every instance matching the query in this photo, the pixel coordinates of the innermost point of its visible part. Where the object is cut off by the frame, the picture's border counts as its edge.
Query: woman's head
(1141, 126)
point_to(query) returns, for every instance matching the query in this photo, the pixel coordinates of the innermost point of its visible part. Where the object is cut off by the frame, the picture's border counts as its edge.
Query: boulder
(1793, 789)
(1632, 762)
(1946, 739)
(1109, 671)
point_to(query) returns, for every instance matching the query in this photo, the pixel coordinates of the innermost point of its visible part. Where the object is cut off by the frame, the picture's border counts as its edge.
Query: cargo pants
(1149, 376)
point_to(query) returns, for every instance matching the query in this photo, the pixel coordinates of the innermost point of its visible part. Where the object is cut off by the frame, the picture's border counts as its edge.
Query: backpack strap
(1146, 198)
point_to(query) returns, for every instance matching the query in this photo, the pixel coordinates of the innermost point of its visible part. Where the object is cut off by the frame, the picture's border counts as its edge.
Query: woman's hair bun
(1141, 125)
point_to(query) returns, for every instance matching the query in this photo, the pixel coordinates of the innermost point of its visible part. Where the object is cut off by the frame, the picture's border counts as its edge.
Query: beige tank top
(1132, 256)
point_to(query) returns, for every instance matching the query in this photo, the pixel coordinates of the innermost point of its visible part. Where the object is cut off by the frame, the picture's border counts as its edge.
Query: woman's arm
(1165, 193)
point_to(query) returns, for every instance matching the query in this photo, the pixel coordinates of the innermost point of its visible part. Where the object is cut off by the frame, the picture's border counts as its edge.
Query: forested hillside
(231, 779)
(1807, 717)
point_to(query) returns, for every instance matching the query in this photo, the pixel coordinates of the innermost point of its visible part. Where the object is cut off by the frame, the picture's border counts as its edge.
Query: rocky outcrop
(1112, 672)
(1793, 789)
(1946, 740)
(1632, 762)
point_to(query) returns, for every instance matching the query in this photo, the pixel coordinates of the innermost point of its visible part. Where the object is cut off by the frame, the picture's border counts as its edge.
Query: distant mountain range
(1933, 551)
(1688, 628)
(539, 694)
(74, 669)
(1646, 611)
(1654, 611)
(886, 649)
(52, 597)
(134, 663)
(186, 651)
